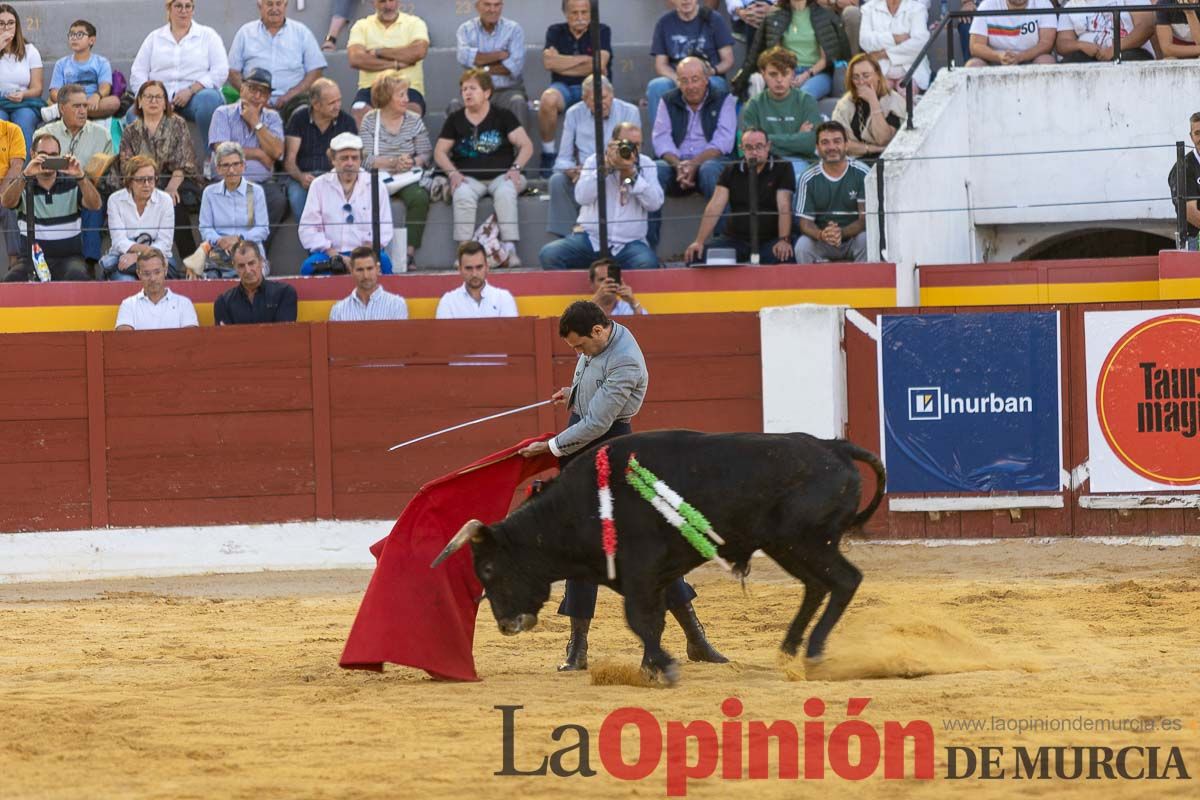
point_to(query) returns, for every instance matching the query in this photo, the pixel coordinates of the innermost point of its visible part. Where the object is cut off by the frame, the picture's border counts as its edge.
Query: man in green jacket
(788, 116)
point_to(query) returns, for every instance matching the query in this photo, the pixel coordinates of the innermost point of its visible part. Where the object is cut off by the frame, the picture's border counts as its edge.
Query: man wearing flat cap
(337, 214)
(259, 130)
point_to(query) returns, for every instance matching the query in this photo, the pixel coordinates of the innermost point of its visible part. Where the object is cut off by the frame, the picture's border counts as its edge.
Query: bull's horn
(468, 531)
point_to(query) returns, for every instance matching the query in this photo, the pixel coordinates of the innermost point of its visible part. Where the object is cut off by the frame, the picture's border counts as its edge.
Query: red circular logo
(1147, 399)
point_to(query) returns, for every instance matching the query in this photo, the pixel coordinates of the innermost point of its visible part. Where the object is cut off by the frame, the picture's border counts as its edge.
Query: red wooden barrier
(293, 422)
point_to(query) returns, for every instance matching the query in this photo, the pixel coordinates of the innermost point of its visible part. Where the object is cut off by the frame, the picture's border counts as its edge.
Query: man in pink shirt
(337, 214)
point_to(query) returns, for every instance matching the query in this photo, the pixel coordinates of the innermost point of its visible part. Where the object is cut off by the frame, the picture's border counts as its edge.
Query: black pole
(908, 103)
(1117, 36)
(879, 211)
(30, 233)
(1181, 226)
(375, 213)
(752, 173)
(948, 24)
(601, 145)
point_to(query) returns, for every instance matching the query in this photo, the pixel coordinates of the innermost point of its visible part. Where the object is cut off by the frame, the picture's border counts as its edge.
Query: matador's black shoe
(577, 646)
(698, 646)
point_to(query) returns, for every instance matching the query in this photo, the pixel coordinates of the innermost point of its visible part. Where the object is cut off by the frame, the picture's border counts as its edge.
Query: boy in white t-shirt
(1015, 39)
(90, 70)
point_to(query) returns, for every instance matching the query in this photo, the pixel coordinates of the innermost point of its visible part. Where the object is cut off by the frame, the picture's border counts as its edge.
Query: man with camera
(337, 213)
(632, 192)
(61, 190)
(579, 142)
(613, 295)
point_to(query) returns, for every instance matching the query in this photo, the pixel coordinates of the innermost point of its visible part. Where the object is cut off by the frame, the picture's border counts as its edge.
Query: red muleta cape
(422, 617)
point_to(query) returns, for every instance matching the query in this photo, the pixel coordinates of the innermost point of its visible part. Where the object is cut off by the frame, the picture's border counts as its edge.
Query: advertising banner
(1143, 368)
(971, 402)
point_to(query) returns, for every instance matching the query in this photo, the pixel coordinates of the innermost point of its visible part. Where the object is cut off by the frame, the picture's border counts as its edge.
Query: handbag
(394, 182)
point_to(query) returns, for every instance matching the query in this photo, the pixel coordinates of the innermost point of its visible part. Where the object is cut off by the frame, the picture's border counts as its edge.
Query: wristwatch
(258, 127)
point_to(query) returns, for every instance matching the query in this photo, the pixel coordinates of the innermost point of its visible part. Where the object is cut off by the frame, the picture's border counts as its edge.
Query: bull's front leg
(645, 612)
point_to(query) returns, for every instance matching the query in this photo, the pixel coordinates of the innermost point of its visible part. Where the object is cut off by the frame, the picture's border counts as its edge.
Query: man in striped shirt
(369, 301)
(58, 197)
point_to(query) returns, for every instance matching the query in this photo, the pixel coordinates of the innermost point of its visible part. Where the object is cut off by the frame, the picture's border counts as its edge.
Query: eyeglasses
(183, 6)
(77, 35)
(143, 179)
(349, 209)
(154, 98)
(230, 165)
(8, 23)
(762, 146)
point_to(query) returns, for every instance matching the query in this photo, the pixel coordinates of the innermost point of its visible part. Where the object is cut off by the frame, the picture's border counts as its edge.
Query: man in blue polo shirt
(285, 48)
(255, 299)
(568, 57)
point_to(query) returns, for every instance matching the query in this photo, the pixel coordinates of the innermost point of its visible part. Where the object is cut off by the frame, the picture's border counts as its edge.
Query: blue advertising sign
(971, 402)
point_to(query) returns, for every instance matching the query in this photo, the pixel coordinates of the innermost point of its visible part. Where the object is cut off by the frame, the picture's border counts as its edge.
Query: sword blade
(469, 424)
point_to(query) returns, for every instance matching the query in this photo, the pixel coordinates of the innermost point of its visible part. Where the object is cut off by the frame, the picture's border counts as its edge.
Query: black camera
(626, 149)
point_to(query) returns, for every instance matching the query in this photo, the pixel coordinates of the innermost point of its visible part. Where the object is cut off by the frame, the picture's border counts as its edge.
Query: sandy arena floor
(228, 686)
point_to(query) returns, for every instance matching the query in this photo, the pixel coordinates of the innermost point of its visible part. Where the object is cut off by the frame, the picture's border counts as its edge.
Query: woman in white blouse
(21, 76)
(140, 217)
(893, 32)
(189, 58)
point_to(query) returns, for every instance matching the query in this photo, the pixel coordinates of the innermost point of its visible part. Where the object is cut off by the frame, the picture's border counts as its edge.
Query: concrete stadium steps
(437, 250)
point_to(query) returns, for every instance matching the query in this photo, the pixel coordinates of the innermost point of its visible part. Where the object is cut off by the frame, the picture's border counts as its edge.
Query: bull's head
(516, 597)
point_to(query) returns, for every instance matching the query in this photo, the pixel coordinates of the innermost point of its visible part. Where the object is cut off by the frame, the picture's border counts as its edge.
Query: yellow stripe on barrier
(1179, 288)
(1044, 294)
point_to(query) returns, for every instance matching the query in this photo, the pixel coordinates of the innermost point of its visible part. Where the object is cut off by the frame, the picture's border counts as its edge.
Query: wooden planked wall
(292, 422)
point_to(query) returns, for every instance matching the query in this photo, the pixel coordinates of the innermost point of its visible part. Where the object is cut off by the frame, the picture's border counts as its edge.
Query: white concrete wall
(803, 370)
(153, 552)
(982, 113)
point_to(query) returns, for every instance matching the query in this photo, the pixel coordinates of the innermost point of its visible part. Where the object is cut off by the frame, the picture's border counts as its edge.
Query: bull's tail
(857, 453)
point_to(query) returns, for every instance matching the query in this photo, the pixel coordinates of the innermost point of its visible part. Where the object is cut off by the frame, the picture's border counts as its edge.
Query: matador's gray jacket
(607, 387)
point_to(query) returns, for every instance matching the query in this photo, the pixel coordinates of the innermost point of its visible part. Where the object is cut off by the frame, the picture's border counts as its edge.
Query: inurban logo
(928, 403)
(924, 402)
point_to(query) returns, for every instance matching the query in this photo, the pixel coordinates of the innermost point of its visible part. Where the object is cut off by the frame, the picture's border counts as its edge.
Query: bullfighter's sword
(468, 424)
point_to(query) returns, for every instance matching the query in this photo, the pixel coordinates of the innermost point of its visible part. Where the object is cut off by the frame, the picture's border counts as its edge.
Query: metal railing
(945, 25)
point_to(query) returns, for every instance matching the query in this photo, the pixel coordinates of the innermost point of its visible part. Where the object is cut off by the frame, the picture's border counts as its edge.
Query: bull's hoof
(667, 675)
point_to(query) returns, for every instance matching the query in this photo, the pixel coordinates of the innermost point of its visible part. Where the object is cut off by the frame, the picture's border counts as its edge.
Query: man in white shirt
(632, 192)
(369, 301)
(579, 142)
(337, 213)
(476, 298)
(155, 307)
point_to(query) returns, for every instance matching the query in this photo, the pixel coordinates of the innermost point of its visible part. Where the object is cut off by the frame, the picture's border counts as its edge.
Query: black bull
(789, 494)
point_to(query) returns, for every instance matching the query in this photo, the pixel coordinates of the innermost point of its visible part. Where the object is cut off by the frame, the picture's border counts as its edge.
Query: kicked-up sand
(228, 686)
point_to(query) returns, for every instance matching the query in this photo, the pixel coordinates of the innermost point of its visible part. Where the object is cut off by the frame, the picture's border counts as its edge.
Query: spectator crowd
(92, 150)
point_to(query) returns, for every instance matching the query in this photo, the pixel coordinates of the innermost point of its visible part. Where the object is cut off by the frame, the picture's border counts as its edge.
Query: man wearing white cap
(337, 215)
